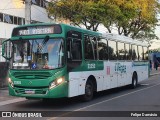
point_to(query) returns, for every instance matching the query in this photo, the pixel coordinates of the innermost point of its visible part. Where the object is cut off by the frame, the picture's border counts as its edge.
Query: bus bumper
(59, 91)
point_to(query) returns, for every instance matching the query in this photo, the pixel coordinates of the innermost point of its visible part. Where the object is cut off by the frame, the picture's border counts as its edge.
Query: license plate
(29, 91)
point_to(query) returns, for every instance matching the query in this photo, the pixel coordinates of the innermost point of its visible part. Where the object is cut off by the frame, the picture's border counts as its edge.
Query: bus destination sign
(37, 30)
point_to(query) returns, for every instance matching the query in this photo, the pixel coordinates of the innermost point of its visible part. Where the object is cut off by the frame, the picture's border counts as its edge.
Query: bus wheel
(88, 91)
(134, 82)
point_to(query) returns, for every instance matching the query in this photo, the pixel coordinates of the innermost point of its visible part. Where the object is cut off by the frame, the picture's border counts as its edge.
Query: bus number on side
(91, 66)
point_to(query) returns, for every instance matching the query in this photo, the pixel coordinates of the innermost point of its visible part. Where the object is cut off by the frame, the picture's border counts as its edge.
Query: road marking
(144, 84)
(12, 101)
(103, 101)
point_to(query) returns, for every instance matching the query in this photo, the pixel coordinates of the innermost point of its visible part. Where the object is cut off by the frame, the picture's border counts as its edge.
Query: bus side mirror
(7, 49)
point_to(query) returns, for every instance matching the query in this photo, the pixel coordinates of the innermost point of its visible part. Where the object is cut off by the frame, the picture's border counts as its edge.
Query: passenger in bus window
(76, 51)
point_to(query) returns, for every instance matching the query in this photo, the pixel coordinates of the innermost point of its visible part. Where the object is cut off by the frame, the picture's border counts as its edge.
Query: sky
(156, 43)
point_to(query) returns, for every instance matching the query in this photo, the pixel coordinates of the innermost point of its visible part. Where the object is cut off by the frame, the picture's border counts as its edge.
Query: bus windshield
(38, 54)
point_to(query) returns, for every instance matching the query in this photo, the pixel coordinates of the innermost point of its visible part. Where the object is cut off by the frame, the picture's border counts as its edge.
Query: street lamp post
(28, 11)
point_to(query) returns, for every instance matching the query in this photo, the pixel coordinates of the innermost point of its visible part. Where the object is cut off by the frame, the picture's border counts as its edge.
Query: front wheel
(88, 91)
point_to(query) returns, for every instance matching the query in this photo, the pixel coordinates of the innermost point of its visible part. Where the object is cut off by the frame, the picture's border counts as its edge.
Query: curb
(154, 74)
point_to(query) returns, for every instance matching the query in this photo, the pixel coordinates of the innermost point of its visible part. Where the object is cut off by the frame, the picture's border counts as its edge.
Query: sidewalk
(5, 98)
(154, 72)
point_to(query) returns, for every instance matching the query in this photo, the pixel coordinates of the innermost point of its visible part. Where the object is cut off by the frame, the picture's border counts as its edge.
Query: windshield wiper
(40, 47)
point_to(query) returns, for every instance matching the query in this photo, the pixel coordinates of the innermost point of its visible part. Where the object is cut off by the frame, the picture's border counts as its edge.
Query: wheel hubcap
(88, 90)
(135, 82)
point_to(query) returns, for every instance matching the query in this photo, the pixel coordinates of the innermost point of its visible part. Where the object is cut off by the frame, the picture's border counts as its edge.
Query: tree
(134, 18)
(137, 18)
(87, 13)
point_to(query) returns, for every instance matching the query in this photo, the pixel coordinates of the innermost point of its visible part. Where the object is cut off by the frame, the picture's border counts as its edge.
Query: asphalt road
(117, 104)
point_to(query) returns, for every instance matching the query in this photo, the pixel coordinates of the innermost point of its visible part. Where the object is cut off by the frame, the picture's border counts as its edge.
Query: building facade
(12, 14)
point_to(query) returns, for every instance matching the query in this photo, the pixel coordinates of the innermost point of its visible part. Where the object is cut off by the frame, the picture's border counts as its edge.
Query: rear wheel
(134, 82)
(88, 91)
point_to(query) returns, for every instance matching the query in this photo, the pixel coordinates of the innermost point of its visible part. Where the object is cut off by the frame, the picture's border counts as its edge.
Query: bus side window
(145, 53)
(74, 49)
(94, 44)
(140, 53)
(134, 52)
(103, 49)
(128, 52)
(89, 53)
(121, 51)
(112, 50)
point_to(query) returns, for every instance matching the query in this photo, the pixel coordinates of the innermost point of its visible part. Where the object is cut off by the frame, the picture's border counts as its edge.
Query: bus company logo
(120, 68)
(6, 114)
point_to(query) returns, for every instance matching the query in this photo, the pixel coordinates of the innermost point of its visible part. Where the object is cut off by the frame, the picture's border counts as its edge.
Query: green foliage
(138, 18)
(84, 12)
(134, 18)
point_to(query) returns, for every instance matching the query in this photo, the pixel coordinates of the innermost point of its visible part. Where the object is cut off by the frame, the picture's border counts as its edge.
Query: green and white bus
(58, 60)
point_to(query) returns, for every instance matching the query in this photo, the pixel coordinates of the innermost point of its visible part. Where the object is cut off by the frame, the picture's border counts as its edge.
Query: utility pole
(28, 11)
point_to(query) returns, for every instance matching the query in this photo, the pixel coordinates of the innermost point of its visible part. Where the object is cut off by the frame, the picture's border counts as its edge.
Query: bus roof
(125, 39)
(83, 30)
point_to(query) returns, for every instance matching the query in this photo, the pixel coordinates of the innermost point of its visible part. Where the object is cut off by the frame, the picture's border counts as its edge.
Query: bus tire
(89, 90)
(134, 81)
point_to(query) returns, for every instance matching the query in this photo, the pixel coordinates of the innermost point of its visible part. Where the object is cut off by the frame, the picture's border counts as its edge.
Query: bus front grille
(30, 91)
(32, 75)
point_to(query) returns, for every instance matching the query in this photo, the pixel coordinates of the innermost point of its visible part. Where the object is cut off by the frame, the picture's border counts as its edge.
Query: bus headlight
(56, 82)
(10, 82)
